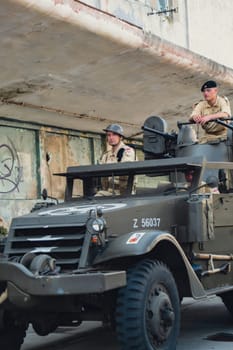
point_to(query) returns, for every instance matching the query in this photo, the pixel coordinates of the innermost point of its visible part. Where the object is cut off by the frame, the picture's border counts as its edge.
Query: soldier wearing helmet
(118, 152)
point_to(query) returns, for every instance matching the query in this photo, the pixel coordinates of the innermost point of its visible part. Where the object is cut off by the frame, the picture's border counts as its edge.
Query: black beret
(209, 84)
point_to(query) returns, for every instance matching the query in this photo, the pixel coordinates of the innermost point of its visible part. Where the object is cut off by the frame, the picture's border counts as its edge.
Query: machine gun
(157, 143)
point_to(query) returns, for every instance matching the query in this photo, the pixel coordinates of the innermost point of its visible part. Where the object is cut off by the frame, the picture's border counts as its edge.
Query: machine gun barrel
(223, 122)
(166, 135)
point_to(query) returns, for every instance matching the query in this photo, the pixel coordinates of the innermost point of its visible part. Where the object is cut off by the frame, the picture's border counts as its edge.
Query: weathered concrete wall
(82, 68)
(204, 27)
(29, 155)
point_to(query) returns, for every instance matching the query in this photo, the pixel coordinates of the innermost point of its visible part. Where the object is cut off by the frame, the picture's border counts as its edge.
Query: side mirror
(44, 194)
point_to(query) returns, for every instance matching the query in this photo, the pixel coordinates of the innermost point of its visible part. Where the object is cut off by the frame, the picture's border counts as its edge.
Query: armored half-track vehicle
(129, 257)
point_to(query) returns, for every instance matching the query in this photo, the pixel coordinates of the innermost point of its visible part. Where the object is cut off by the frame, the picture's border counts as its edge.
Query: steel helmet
(116, 128)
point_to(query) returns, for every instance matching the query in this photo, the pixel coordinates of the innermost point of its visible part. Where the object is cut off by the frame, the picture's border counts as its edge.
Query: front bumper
(19, 277)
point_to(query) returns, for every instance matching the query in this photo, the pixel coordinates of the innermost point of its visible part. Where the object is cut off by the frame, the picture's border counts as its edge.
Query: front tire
(12, 333)
(148, 309)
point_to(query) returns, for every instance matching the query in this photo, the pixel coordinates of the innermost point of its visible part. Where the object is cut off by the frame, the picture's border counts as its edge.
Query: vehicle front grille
(62, 243)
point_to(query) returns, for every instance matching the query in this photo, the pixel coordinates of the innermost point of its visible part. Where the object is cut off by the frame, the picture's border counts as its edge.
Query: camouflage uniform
(123, 153)
(213, 130)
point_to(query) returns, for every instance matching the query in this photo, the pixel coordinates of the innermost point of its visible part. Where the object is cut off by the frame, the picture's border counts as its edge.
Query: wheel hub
(160, 316)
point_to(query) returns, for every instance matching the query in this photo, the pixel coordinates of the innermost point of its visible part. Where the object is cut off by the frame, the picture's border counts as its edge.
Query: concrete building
(69, 68)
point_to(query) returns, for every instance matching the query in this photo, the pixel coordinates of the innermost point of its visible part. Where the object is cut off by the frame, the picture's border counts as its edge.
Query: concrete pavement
(203, 319)
(199, 321)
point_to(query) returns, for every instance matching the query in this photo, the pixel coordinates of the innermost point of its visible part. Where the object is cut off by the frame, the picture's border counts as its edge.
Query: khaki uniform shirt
(203, 108)
(120, 183)
(111, 156)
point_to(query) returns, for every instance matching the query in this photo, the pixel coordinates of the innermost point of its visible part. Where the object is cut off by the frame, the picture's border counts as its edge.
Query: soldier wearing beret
(213, 107)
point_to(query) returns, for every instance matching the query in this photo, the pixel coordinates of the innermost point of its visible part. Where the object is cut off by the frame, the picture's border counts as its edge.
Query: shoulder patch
(128, 150)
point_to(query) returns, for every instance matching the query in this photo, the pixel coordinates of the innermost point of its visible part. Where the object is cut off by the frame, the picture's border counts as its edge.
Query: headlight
(98, 225)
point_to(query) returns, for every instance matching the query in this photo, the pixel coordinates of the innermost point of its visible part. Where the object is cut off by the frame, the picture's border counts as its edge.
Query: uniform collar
(214, 105)
(121, 144)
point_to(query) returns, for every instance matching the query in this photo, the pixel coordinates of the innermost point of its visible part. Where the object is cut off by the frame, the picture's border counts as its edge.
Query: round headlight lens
(98, 225)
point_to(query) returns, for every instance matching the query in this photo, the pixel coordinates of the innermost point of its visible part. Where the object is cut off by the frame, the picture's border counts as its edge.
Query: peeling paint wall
(29, 155)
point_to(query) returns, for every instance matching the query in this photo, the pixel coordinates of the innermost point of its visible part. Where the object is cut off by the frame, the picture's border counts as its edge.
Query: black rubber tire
(227, 299)
(12, 339)
(151, 291)
(11, 336)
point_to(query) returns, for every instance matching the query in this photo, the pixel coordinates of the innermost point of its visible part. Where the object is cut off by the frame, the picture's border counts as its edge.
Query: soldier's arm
(210, 117)
(225, 112)
(197, 112)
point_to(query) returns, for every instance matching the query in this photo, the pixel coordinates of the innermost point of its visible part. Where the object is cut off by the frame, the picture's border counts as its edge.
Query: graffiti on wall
(10, 168)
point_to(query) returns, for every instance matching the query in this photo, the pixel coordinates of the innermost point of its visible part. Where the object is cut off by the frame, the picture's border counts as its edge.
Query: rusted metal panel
(58, 151)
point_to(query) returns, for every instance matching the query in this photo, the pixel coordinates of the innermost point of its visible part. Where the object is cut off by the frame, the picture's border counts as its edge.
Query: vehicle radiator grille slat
(62, 243)
(51, 249)
(46, 238)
